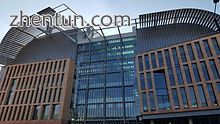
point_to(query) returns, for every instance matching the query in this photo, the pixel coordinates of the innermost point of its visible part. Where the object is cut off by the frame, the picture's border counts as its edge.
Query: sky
(89, 8)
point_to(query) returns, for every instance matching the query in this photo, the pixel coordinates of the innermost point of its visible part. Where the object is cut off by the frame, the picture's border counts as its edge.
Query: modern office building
(165, 71)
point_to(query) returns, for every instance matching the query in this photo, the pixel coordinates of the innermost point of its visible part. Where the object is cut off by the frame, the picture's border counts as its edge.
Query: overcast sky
(89, 8)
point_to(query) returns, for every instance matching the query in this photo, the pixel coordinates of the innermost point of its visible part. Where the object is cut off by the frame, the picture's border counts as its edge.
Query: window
(160, 58)
(147, 63)
(218, 86)
(182, 54)
(45, 112)
(192, 97)
(129, 77)
(140, 62)
(36, 112)
(190, 51)
(152, 102)
(95, 111)
(202, 95)
(83, 82)
(130, 110)
(144, 102)
(196, 72)
(175, 98)
(179, 75)
(153, 60)
(112, 79)
(187, 73)
(81, 97)
(96, 96)
(207, 48)
(205, 71)
(56, 111)
(114, 110)
(214, 69)
(161, 90)
(212, 94)
(171, 77)
(216, 46)
(129, 95)
(113, 95)
(168, 61)
(198, 50)
(184, 98)
(149, 81)
(142, 81)
(97, 81)
(11, 93)
(175, 57)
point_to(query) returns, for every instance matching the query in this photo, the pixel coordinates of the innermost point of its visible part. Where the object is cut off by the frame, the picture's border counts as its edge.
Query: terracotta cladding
(25, 86)
(203, 52)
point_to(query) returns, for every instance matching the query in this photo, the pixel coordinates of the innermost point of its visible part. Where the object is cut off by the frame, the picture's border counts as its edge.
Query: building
(165, 71)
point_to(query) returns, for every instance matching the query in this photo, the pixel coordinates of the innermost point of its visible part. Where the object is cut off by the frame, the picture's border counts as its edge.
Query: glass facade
(106, 80)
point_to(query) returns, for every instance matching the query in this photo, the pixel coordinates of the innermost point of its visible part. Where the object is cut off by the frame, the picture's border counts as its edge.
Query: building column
(190, 121)
(151, 121)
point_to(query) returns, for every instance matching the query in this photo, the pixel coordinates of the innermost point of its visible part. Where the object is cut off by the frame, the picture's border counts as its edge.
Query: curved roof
(187, 16)
(14, 41)
(17, 38)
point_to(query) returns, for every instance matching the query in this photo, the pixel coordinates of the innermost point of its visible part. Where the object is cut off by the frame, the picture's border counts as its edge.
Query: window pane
(45, 113)
(96, 96)
(97, 81)
(161, 90)
(212, 94)
(192, 97)
(152, 102)
(140, 62)
(147, 63)
(179, 75)
(129, 95)
(205, 71)
(216, 46)
(175, 98)
(153, 60)
(175, 57)
(198, 50)
(207, 48)
(36, 112)
(171, 77)
(160, 80)
(190, 51)
(130, 110)
(56, 111)
(187, 73)
(142, 81)
(81, 97)
(144, 102)
(160, 58)
(114, 94)
(196, 72)
(112, 79)
(114, 110)
(184, 98)
(95, 111)
(168, 61)
(218, 86)
(149, 81)
(214, 69)
(182, 53)
(202, 95)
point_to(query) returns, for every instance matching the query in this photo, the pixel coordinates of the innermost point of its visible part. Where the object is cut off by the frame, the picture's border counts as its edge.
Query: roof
(185, 16)
(17, 38)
